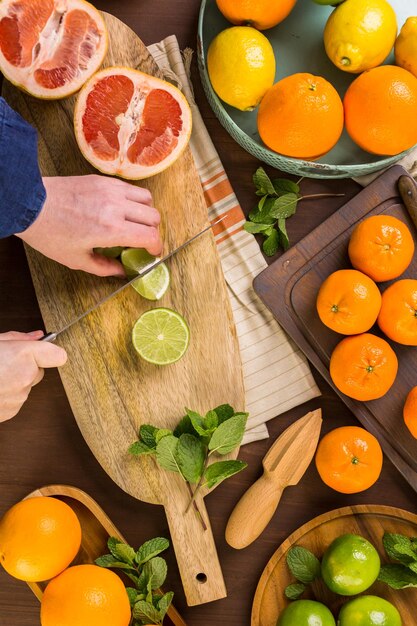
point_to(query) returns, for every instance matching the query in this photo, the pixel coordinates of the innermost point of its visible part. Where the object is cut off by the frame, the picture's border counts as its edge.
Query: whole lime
(369, 611)
(306, 613)
(350, 565)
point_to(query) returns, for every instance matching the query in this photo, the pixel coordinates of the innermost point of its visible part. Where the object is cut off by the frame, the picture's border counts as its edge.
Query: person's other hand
(22, 363)
(86, 212)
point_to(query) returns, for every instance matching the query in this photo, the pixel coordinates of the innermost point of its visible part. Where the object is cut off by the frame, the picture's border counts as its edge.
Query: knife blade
(408, 191)
(284, 465)
(51, 336)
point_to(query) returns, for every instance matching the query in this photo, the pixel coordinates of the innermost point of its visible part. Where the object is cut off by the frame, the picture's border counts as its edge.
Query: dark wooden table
(43, 445)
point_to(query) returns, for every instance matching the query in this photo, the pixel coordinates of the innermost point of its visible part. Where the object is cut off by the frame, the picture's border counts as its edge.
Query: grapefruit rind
(24, 79)
(121, 165)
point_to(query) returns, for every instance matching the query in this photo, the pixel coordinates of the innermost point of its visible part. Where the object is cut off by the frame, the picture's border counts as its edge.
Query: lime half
(112, 253)
(152, 286)
(161, 336)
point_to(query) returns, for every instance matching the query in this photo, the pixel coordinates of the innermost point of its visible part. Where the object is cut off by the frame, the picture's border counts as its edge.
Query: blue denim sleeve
(22, 194)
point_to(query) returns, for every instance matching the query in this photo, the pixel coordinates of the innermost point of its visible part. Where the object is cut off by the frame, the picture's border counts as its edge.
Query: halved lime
(152, 286)
(161, 336)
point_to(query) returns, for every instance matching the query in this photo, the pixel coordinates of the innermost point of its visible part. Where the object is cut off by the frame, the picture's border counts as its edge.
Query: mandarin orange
(382, 247)
(398, 315)
(363, 367)
(301, 116)
(349, 459)
(380, 110)
(260, 14)
(410, 412)
(348, 302)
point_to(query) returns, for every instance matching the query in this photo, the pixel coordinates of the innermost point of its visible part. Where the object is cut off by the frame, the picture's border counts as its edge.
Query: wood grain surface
(96, 528)
(370, 522)
(43, 444)
(299, 274)
(110, 389)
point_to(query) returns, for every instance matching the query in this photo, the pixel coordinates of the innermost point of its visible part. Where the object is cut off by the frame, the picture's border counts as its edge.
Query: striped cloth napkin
(276, 374)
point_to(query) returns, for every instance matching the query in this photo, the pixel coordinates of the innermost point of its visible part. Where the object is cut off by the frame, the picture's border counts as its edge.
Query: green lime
(332, 2)
(369, 611)
(161, 336)
(350, 565)
(152, 286)
(306, 613)
(112, 253)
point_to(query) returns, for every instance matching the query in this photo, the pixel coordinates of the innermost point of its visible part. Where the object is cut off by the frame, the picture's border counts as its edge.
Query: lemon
(360, 34)
(241, 66)
(406, 46)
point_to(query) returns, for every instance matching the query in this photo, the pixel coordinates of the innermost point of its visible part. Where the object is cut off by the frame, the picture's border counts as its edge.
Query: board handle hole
(201, 577)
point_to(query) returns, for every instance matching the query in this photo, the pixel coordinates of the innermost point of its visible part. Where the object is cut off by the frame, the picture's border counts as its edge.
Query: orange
(39, 537)
(85, 595)
(260, 14)
(363, 367)
(380, 110)
(410, 412)
(398, 315)
(349, 459)
(301, 116)
(382, 247)
(348, 302)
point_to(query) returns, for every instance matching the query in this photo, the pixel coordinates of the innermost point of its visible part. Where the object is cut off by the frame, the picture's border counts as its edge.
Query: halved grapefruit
(131, 124)
(50, 48)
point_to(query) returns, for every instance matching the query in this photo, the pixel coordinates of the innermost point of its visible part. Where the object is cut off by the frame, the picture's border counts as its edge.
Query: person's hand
(22, 363)
(86, 212)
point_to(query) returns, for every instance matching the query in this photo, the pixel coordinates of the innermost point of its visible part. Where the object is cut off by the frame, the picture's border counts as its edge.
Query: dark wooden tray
(289, 288)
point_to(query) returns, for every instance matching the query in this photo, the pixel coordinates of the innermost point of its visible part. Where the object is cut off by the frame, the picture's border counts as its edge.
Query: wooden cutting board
(368, 521)
(289, 288)
(110, 389)
(96, 528)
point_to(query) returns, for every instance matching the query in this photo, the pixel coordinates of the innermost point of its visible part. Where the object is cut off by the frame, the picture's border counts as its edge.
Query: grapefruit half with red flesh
(130, 124)
(50, 48)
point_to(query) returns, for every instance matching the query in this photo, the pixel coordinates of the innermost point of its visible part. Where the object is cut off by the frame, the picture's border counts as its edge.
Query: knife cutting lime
(152, 286)
(161, 336)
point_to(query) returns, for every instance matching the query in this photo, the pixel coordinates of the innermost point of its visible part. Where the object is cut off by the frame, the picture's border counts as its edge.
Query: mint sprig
(403, 573)
(305, 567)
(194, 442)
(279, 199)
(147, 570)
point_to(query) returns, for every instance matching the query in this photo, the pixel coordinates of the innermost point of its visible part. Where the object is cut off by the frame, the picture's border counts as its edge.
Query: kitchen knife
(53, 335)
(408, 191)
(284, 464)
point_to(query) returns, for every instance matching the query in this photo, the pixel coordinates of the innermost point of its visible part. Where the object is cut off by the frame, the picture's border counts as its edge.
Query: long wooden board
(289, 288)
(368, 521)
(112, 391)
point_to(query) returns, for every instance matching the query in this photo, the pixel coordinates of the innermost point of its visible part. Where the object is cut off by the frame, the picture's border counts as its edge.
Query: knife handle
(408, 191)
(48, 337)
(254, 511)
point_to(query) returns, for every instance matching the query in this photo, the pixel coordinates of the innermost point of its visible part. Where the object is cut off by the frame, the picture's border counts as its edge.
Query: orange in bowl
(348, 302)
(398, 315)
(382, 247)
(363, 367)
(301, 116)
(410, 412)
(260, 14)
(380, 110)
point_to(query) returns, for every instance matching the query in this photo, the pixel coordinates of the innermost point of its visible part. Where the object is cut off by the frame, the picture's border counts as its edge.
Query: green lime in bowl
(298, 46)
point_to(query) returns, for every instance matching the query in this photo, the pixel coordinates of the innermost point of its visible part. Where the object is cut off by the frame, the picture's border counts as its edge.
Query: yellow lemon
(241, 66)
(406, 46)
(360, 34)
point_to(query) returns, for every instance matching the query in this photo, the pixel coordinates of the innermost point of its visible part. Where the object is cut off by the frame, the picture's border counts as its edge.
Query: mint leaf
(156, 571)
(185, 426)
(164, 603)
(190, 455)
(108, 560)
(217, 472)
(224, 412)
(303, 564)
(161, 433)
(283, 185)
(166, 453)
(285, 206)
(132, 594)
(197, 421)
(229, 434)
(254, 229)
(271, 245)
(283, 235)
(413, 566)
(294, 591)
(211, 421)
(146, 612)
(397, 576)
(263, 215)
(262, 202)
(138, 448)
(147, 435)
(399, 548)
(263, 183)
(151, 549)
(120, 550)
